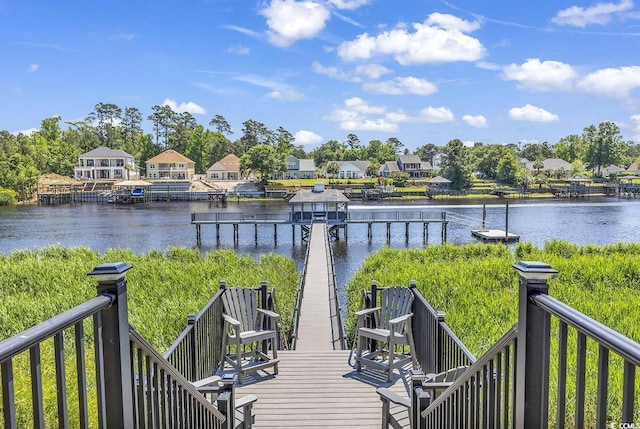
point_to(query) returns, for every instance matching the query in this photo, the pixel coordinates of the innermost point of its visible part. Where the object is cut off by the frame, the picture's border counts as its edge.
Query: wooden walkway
(316, 387)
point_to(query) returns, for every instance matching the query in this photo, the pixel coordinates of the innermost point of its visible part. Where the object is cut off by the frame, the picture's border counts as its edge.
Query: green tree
(508, 167)
(353, 142)
(221, 125)
(332, 150)
(263, 159)
(578, 169)
(131, 130)
(533, 151)
(106, 117)
(571, 148)
(455, 164)
(380, 152)
(427, 152)
(395, 144)
(485, 159)
(373, 169)
(333, 168)
(254, 133)
(162, 118)
(181, 128)
(284, 141)
(604, 145)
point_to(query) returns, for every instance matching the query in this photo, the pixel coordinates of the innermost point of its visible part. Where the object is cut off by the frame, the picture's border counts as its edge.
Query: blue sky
(499, 71)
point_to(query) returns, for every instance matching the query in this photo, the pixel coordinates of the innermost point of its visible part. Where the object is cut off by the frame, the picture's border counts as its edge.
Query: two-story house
(170, 165)
(228, 168)
(104, 163)
(413, 165)
(300, 168)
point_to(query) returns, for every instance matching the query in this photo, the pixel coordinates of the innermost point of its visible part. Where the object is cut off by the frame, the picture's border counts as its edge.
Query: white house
(300, 168)
(352, 169)
(170, 165)
(106, 164)
(228, 168)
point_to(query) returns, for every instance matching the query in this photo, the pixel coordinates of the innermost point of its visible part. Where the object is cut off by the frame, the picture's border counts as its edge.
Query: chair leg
(223, 354)
(391, 359)
(358, 353)
(274, 350)
(385, 414)
(239, 358)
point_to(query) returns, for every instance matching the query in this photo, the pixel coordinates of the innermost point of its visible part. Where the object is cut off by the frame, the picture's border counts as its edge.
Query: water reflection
(144, 227)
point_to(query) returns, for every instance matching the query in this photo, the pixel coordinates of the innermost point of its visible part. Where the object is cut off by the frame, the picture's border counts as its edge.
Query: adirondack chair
(221, 391)
(246, 324)
(392, 328)
(399, 411)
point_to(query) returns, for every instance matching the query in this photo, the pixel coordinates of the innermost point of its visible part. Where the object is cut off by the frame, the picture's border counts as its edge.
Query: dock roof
(327, 196)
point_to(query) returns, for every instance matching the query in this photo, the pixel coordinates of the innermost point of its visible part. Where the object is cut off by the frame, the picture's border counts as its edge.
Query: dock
(495, 236)
(316, 386)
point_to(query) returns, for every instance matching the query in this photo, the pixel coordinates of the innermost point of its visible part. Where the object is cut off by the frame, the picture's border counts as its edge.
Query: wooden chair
(392, 327)
(246, 324)
(221, 391)
(435, 384)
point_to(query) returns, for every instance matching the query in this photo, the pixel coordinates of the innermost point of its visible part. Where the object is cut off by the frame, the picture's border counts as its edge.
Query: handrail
(296, 310)
(162, 369)
(36, 334)
(613, 340)
(333, 294)
(507, 339)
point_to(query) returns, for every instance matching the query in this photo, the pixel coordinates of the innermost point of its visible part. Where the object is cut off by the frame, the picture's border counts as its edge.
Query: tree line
(55, 148)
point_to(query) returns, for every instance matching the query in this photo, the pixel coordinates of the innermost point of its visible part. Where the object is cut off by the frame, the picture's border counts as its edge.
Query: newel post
(193, 361)
(532, 359)
(118, 406)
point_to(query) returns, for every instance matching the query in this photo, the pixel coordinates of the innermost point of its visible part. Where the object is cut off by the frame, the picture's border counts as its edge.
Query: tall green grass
(477, 287)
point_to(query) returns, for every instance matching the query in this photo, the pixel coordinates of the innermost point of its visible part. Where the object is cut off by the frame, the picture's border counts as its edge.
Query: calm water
(143, 227)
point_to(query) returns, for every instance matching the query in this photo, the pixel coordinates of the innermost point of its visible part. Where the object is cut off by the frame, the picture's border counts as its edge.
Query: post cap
(534, 270)
(110, 271)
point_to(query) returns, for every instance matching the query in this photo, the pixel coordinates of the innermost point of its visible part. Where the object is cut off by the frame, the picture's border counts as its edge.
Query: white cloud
(348, 4)
(429, 115)
(124, 36)
(372, 71)
(380, 125)
(239, 49)
(477, 121)
(402, 85)
(305, 137)
(601, 13)
(636, 128)
(612, 82)
(32, 68)
(439, 39)
(487, 66)
(358, 115)
(190, 107)
(531, 114)
(333, 72)
(290, 21)
(285, 94)
(541, 76)
(26, 132)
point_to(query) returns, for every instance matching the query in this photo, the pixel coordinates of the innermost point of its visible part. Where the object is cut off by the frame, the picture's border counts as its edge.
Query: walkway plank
(316, 387)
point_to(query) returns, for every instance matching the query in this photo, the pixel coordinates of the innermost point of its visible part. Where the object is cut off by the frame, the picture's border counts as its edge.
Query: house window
(180, 165)
(152, 166)
(104, 163)
(119, 162)
(90, 163)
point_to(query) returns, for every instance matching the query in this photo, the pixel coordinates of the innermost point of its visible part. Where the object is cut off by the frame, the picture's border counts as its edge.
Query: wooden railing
(509, 386)
(134, 386)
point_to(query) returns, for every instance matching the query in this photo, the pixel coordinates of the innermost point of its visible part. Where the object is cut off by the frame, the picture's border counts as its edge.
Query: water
(144, 227)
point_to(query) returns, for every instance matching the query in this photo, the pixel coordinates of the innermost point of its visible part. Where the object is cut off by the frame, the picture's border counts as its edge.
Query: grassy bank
(41, 283)
(478, 288)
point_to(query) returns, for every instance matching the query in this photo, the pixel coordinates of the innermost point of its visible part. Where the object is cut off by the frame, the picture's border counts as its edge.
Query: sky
(497, 72)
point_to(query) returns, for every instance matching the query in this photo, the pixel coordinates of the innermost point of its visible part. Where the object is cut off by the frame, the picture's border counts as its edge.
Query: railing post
(374, 293)
(419, 398)
(191, 321)
(439, 357)
(226, 400)
(533, 348)
(118, 407)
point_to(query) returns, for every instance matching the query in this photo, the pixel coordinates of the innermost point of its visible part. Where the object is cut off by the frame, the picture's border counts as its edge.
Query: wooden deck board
(319, 389)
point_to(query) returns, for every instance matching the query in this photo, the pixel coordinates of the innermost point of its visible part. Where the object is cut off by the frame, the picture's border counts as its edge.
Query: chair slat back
(395, 302)
(241, 304)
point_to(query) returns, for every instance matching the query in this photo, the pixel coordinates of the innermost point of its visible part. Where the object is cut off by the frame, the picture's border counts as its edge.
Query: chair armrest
(400, 319)
(269, 313)
(246, 401)
(214, 379)
(437, 385)
(387, 395)
(367, 311)
(230, 320)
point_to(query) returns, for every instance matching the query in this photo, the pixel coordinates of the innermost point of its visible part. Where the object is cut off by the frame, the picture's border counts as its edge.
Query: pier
(316, 387)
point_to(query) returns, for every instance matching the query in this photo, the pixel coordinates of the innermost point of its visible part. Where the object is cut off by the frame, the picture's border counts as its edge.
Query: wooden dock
(495, 236)
(316, 386)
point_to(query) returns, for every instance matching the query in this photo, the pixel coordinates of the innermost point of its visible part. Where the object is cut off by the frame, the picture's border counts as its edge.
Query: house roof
(391, 166)
(360, 165)
(230, 162)
(170, 156)
(426, 165)
(105, 152)
(551, 164)
(612, 169)
(409, 159)
(307, 165)
(439, 179)
(217, 167)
